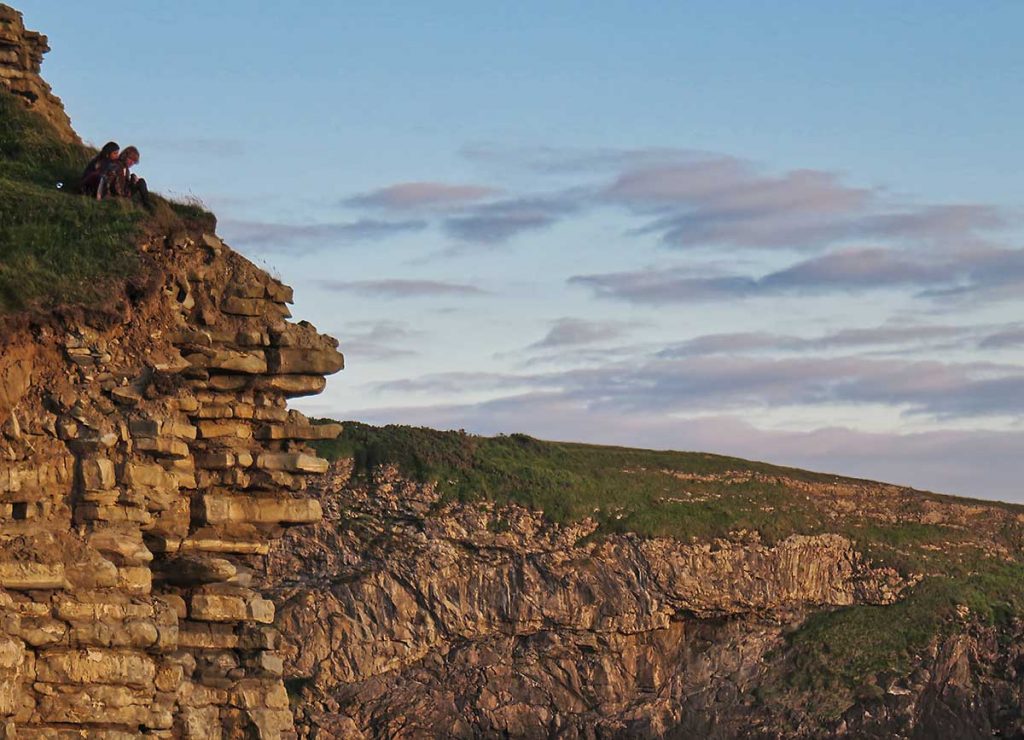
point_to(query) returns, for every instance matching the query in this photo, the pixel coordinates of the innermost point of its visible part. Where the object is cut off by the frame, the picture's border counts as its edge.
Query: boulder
(304, 361)
(220, 509)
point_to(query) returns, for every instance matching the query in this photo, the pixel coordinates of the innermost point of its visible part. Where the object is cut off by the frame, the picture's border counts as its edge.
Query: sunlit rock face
(147, 462)
(405, 614)
(21, 54)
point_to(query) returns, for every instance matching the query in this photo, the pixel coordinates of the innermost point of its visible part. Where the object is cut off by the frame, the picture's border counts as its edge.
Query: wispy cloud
(494, 223)
(378, 340)
(691, 199)
(286, 237)
(889, 336)
(573, 332)
(663, 385)
(968, 276)
(701, 199)
(416, 195)
(1010, 337)
(401, 288)
(694, 198)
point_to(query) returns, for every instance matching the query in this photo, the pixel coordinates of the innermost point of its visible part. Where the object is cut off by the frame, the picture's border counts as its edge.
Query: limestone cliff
(177, 561)
(405, 614)
(21, 54)
(145, 467)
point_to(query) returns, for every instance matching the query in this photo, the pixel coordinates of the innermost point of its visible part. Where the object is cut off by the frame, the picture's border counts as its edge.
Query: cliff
(422, 608)
(147, 465)
(21, 55)
(147, 454)
(182, 556)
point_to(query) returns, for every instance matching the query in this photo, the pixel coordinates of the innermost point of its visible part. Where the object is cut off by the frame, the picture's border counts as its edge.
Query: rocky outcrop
(166, 569)
(21, 54)
(146, 465)
(411, 617)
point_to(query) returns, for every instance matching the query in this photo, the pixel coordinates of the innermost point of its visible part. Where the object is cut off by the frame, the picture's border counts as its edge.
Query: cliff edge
(21, 55)
(147, 455)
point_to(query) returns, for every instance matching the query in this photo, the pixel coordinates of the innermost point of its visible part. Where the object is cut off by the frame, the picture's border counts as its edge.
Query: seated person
(90, 179)
(117, 182)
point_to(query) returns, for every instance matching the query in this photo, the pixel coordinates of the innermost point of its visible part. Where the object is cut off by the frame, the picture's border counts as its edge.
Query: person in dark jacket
(117, 182)
(94, 170)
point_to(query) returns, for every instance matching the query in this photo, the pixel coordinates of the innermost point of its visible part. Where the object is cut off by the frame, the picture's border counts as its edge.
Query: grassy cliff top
(57, 247)
(686, 495)
(966, 553)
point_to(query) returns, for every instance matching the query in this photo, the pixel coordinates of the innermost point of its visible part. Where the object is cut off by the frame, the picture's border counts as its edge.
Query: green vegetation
(658, 493)
(57, 247)
(835, 656)
(840, 655)
(625, 489)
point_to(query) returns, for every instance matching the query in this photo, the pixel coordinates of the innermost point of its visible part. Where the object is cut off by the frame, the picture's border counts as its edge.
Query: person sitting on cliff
(117, 182)
(90, 179)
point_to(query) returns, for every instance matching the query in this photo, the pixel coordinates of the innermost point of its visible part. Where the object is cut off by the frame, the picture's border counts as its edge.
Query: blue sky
(785, 231)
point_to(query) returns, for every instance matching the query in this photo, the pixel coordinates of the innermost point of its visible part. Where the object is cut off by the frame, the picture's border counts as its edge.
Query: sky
(784, 231)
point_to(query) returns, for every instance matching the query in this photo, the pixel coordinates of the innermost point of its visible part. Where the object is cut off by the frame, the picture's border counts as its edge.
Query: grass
(654, 493)
(625, 489)
(57, 247)
(839, 656)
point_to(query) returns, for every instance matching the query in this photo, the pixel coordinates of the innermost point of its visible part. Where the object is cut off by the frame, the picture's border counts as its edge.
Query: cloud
(700, 199)
(688, 198)
(570, 332)
(414, 195)
(901, 337)
(1011, 337)
(989, 275)
(853, 269)
(400, 288)
(663, 385)
(976, 276)
(452, 382)
(379, 340)
(693, 198)
(671, 285)
(494, 223)
(259, 234)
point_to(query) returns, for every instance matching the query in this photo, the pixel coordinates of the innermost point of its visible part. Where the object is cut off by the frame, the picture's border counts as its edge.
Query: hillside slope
(483, 587)
(56, 249)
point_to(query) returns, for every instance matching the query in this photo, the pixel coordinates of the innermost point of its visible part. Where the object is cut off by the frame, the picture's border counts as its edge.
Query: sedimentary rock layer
(145, 468)
(21, 54)
(407, 616)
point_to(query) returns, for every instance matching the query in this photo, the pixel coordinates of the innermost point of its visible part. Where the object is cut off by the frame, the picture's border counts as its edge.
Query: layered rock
(405, 616)
(21, 54)
(145, 468)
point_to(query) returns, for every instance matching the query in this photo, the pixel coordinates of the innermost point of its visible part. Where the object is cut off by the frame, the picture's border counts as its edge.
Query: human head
(109, 150)
(130, 156)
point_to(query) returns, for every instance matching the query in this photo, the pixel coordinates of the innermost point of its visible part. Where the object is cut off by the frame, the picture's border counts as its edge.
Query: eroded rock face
(145, 470)
(403, 616)
(21, 54)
